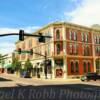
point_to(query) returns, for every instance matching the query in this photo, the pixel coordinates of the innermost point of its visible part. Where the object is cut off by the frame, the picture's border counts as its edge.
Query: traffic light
(21, 35)
(41, 38)
(19, 50)
(31, 51)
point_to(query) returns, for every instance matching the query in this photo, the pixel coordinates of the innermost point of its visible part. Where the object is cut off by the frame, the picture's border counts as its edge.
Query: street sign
(23, 51)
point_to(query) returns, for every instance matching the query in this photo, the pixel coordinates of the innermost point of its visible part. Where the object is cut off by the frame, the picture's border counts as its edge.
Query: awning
(7, 65)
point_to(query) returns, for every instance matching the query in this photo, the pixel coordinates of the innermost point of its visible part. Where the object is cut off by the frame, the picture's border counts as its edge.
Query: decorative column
(65, 52)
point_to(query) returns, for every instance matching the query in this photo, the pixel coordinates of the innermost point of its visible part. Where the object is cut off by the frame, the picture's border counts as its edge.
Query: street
(14, 88)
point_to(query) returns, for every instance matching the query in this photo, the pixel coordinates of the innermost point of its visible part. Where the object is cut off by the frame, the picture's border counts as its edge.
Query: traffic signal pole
(41, 39)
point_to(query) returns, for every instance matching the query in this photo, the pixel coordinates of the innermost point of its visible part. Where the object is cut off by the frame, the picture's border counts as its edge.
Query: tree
(16, 64)
(28, 65)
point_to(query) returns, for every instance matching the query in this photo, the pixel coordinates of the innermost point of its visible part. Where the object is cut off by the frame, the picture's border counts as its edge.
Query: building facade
(72, 51)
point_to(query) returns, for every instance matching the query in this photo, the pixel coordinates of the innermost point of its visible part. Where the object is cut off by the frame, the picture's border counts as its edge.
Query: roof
(62, 23)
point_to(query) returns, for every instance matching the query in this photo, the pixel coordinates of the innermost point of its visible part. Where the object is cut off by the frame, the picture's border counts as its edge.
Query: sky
(33, 14)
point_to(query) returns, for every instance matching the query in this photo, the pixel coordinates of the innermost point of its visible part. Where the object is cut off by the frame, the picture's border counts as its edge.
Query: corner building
(72, 51)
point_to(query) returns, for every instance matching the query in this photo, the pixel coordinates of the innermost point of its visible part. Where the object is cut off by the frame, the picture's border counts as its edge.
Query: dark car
(90, 76)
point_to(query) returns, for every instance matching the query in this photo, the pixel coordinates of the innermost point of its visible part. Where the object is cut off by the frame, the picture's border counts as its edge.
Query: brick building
(72, 51)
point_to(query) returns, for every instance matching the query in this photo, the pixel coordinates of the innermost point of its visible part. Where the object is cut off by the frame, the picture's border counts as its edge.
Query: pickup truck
(90, 76)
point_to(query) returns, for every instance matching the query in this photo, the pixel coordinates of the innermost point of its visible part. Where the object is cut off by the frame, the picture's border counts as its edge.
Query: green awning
(7, 66)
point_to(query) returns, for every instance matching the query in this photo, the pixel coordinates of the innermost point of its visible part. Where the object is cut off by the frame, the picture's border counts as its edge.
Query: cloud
(8, 47)
(87, 13)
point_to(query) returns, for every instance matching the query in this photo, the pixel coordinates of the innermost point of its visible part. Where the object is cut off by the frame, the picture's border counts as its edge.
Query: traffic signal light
(19, 50)
(41, 38)
(21, 35)
(31, 51)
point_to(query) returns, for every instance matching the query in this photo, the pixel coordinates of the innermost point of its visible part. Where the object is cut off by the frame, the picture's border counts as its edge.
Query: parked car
(90, 76)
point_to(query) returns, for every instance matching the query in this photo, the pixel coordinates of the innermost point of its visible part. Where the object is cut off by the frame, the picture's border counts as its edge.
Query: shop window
(58, 48)
(76, 64)
(72, 67)
(58, 34)
(84, 67)
(97, 64)
(59, 62)
(88, 66)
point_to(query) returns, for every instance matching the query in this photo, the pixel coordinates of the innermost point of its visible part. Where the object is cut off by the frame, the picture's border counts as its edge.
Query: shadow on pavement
(51, 92)
(3, 79)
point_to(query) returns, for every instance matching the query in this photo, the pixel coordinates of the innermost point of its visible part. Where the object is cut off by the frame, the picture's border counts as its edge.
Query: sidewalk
(39, 81)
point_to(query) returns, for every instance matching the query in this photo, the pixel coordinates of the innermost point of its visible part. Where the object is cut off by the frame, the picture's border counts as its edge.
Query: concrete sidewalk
(39, 81)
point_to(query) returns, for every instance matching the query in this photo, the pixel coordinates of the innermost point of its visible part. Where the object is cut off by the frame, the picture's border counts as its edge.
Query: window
(58, 48)
(76, 64)
(23, 46)
(70, 35)
(95, 39)
(86, 51)
(30, 43)
(75, 36)
(99, 39)
(72, 67)
(88, 66)
(84, 67)
(86, 37)
(82, 36)
(97, 49)
(58, 34)
(97, 64)
(71, 48)
(75, 49)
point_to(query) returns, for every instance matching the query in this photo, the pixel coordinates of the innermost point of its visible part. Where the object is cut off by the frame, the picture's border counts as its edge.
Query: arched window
(70, 35)
(89, 67)
(57, 34)
(76, 64)
(72, 67)
(84, 67)
(71, 48)
(86, 37)
(58, 48)
(75, 35)
(82, 36)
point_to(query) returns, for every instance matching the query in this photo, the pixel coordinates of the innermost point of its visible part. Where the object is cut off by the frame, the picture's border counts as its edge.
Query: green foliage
(28, 65)
(16, 64)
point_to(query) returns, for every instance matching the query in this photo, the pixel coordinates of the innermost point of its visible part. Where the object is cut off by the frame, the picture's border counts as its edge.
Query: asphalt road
(68, 91)
(51, 92)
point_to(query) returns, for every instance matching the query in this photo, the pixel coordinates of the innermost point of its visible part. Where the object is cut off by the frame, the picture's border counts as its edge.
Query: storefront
(59, 63)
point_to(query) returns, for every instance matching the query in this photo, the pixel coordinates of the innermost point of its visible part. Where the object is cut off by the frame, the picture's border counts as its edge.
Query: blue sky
(23, 13)
(32, 14)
